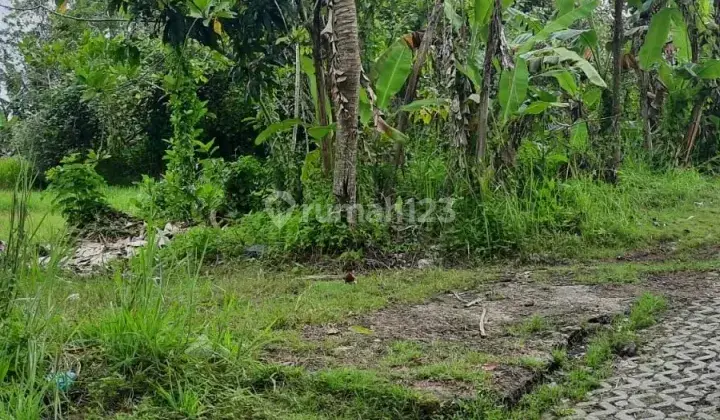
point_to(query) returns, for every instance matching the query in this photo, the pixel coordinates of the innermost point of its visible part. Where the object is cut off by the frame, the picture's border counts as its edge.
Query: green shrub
(178, 196)
(199, 243)
(289, 234)
(10, 168)
(79, 189)
(246, 181)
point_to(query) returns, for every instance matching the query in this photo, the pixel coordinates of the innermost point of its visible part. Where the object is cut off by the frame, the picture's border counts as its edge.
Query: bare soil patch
(525, 320)
(667, 251)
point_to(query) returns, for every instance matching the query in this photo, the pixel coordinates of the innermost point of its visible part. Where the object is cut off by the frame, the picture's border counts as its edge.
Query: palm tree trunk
(345, 76)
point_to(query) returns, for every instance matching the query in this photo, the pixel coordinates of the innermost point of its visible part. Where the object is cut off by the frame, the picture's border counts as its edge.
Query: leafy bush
(290, 234)
(196, 200)
(79, 189)
(246, 181)
(10, 168)
(200, 242)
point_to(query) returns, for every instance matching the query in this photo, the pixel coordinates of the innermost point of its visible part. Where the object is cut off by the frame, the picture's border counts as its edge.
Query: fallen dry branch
(473, 303)
(482, 323)
(323, 277)
(347, 278)
(457, 296)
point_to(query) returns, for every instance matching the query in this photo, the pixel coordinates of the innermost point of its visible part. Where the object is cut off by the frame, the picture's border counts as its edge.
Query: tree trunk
(411, 89)
(617, 81)
(314, 28)
(694, 127)
(345, 75)
(493, 45)
(645, 109)
(644, 99)
(717, 20)
(697, 112)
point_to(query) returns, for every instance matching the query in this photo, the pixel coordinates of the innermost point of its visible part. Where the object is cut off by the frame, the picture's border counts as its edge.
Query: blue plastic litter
(63, 380)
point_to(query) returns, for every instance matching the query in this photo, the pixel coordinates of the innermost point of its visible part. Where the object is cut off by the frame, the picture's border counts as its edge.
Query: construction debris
(92, 255)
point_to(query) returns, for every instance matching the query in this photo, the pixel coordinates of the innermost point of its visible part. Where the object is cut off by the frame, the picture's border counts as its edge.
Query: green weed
(533, 325)
(646, 310)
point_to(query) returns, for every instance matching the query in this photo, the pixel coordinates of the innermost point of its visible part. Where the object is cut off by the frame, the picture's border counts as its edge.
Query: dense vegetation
(365, 132)
(517, 112)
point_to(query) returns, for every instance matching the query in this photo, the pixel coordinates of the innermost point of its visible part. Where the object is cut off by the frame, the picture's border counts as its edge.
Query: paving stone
(676, 377)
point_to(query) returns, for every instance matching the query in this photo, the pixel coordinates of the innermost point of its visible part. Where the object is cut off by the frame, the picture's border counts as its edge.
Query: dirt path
(529, 314)
(676, 376)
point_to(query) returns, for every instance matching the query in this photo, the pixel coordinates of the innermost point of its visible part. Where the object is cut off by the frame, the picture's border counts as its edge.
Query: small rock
(529, 303)
(628, 350)
(171, 230)
(162, 241)
(138, 244)
(43, 250)
(342, 349)
(332, 331)
(74, 297)
(489, 367)
(255, 251)
(425, 263)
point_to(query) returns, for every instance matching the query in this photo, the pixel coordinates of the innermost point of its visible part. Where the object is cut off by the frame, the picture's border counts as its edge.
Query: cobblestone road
(676, 376)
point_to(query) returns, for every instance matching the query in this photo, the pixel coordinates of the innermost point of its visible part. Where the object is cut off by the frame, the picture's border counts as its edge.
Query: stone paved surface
(676, 376)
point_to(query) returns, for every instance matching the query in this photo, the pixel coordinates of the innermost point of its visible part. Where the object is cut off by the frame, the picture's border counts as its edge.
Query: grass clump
(646, 310)
(534, 325)
(404, 353)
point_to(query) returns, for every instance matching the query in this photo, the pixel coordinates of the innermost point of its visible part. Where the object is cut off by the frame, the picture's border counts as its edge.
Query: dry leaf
(217, 27)
(360, 330)
(489, 367)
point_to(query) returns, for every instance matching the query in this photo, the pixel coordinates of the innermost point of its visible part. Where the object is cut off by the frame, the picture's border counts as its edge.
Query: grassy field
(177, 343)
(163, 338)
(44, 218)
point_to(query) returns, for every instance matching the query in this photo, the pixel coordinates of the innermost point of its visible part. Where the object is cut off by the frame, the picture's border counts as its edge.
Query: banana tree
(525, 61)
(427, 40)
(672, 52)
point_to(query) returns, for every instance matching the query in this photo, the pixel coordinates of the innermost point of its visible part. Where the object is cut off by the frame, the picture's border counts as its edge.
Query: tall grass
(11, 171)
(27, 309)
(17, 247)
(538, 214)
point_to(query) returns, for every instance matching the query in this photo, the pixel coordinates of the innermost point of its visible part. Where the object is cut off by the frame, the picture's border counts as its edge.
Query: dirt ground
(525, 319)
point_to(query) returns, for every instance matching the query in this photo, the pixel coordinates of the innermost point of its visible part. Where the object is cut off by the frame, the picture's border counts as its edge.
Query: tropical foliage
(484, 101)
